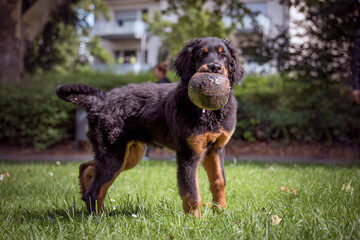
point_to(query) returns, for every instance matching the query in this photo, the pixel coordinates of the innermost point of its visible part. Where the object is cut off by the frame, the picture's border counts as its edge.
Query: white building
(125, 36)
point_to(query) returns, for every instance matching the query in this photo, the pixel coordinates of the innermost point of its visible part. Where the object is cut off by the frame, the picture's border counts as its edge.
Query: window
(124, 18)
(130, 56)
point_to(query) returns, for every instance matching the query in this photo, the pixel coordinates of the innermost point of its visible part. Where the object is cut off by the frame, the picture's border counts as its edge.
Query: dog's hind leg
(106, 170)
(86, 176)
(135, 151)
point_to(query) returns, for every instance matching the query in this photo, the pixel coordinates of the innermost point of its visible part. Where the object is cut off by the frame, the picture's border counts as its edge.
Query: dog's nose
(214, 67)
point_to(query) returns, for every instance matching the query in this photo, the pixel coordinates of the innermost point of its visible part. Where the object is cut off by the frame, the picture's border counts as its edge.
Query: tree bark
(35, 18)
(12, 46)
(17, 29)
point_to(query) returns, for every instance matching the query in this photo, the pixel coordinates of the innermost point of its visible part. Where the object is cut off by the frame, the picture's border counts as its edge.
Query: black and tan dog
(123, 120)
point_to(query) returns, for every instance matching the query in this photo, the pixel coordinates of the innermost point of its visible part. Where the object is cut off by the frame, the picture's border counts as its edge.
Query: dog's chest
(199, 143)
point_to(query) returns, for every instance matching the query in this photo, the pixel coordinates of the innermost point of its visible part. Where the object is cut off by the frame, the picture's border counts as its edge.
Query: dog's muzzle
(214, 67)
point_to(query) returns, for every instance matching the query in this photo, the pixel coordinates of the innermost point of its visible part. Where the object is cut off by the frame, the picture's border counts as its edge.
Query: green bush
(32, 114)
(269, 108)
(276, 108)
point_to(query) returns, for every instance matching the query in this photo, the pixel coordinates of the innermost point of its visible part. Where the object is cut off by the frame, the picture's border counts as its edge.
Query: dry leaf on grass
(275, 220)
(347, 187)
(4, 175)
(291, 191)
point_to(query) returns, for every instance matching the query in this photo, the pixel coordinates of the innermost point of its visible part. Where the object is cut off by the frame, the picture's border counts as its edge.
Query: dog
(123, 120)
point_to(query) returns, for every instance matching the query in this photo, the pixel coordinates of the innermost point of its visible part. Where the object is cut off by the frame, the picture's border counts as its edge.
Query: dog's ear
(184, 64)
(236, 71)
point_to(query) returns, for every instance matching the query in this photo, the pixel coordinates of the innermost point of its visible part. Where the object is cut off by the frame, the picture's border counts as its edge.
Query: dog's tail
(82, 95)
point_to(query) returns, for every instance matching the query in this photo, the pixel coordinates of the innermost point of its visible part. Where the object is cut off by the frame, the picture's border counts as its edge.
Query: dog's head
(209, 55)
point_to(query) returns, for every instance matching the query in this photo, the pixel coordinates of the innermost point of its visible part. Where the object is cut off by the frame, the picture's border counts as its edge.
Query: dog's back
(141, 107)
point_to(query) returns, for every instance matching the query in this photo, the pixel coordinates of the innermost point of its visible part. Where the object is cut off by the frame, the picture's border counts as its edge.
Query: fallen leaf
(171, 236)
(347, 187)
(282, 188)
(6, 174)
(293, 192)
(275, 220)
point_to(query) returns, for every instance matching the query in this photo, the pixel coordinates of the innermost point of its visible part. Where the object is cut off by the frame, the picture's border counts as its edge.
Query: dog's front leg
(214, 166)
(187, 175)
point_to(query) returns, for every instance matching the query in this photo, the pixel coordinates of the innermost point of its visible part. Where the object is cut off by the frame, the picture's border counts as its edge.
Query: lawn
(265, 201)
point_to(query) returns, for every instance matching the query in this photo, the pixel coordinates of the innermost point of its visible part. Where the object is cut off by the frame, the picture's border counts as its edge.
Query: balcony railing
(122, 68)
(104, 28)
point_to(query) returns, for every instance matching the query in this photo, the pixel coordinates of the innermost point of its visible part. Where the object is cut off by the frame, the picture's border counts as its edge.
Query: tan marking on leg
(87, 178)
(102, 193)
(197, 211)
(213, 168)
(87, 173)
(190, 205)
(134, 152)
(199, 144)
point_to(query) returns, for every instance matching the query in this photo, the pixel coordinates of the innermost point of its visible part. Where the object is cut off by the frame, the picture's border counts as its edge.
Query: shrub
(276, 108)
(31, 113)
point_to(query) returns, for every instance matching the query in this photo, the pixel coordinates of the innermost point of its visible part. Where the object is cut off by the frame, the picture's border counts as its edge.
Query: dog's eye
(223, 55)
(202, 55)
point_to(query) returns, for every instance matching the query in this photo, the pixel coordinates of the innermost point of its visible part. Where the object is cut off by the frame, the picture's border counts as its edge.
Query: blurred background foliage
(194, 20)
(66, 43)
(321, 53)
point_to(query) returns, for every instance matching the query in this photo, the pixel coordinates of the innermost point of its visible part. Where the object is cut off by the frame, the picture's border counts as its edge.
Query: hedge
(269, 108)
(276, 108)
(32, 114)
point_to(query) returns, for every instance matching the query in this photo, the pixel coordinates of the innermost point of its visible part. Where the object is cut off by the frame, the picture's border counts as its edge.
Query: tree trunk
(12, 45)
(17, 29)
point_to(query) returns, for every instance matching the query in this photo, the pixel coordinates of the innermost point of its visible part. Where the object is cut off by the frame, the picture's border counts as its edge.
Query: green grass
(143, 203)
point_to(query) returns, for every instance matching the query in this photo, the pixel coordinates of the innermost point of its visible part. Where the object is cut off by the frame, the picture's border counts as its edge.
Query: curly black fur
(161, 115)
